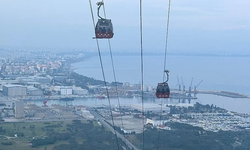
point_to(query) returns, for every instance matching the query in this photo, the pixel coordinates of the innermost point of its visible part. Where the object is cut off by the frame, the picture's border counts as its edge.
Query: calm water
(218, 73)
(238, 105)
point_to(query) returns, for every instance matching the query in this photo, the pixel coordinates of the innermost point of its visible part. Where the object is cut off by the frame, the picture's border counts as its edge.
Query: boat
(67, 99)
(101, 96)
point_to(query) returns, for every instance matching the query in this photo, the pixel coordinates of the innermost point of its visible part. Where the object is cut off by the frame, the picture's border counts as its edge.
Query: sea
(213, 72)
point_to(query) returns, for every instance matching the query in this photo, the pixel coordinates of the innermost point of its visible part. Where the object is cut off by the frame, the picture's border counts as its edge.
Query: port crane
(183, 86)
(190, 87)
(195, 87)
(179, 83)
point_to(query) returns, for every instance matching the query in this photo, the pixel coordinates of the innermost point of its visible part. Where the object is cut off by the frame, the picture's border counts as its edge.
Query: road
(102, 120)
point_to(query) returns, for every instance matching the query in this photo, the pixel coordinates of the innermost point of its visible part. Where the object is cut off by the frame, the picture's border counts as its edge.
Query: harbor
(173, 95)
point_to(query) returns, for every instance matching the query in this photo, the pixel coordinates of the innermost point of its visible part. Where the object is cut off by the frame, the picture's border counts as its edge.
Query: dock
(223, 93)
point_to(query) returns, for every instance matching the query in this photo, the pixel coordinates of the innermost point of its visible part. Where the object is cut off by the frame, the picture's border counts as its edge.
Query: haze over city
(60, 89)
(195, 26)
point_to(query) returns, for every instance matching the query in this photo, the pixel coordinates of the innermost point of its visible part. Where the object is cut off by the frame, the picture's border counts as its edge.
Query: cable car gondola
(162, 90)
(104, 27)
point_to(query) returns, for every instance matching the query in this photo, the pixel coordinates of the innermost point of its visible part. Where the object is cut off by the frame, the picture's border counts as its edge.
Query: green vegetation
(79, 135)
(30, 129)
(18, 135)
(83, 81)
(197, 108)
(95, 137)
(187, 137)
(6, 143)
(75, 135)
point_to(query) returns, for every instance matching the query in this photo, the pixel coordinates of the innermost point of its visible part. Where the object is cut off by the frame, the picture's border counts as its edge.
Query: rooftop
(13, 85)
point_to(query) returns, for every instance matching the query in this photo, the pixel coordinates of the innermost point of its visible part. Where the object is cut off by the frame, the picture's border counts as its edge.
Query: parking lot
(129, 123)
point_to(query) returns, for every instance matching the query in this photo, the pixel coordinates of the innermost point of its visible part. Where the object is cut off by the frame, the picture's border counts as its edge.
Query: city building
(19, 109)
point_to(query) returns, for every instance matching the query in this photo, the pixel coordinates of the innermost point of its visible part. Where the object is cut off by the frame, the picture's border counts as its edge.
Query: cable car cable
(116, 87)
(166, 46)
(142, 84)
(106, 87)
(165, 58)
(163, 90)
(114, 74)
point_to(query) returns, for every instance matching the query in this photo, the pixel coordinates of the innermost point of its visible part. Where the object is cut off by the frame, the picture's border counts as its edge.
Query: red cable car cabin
(104, 29)
(162, 90)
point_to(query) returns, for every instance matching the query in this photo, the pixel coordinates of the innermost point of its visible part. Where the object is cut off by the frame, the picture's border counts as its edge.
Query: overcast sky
(195, 25)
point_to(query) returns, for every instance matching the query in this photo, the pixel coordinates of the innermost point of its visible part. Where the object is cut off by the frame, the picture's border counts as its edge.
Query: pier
(222, 93)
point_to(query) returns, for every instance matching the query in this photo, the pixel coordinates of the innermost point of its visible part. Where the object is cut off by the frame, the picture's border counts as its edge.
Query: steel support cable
(113, 68)
(106, 87)
(165, 60)
(142, 84)
(166, 46)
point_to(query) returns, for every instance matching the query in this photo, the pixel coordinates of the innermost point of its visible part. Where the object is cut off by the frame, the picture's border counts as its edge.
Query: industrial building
(43, 80)
(25, 80)
(158, 123)
(79, 91)
(6, 82)
(31, 80)
(32, 91)
(66, 91)
(69, 90)
(14, 90)
(63, 90)
(151, 108)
